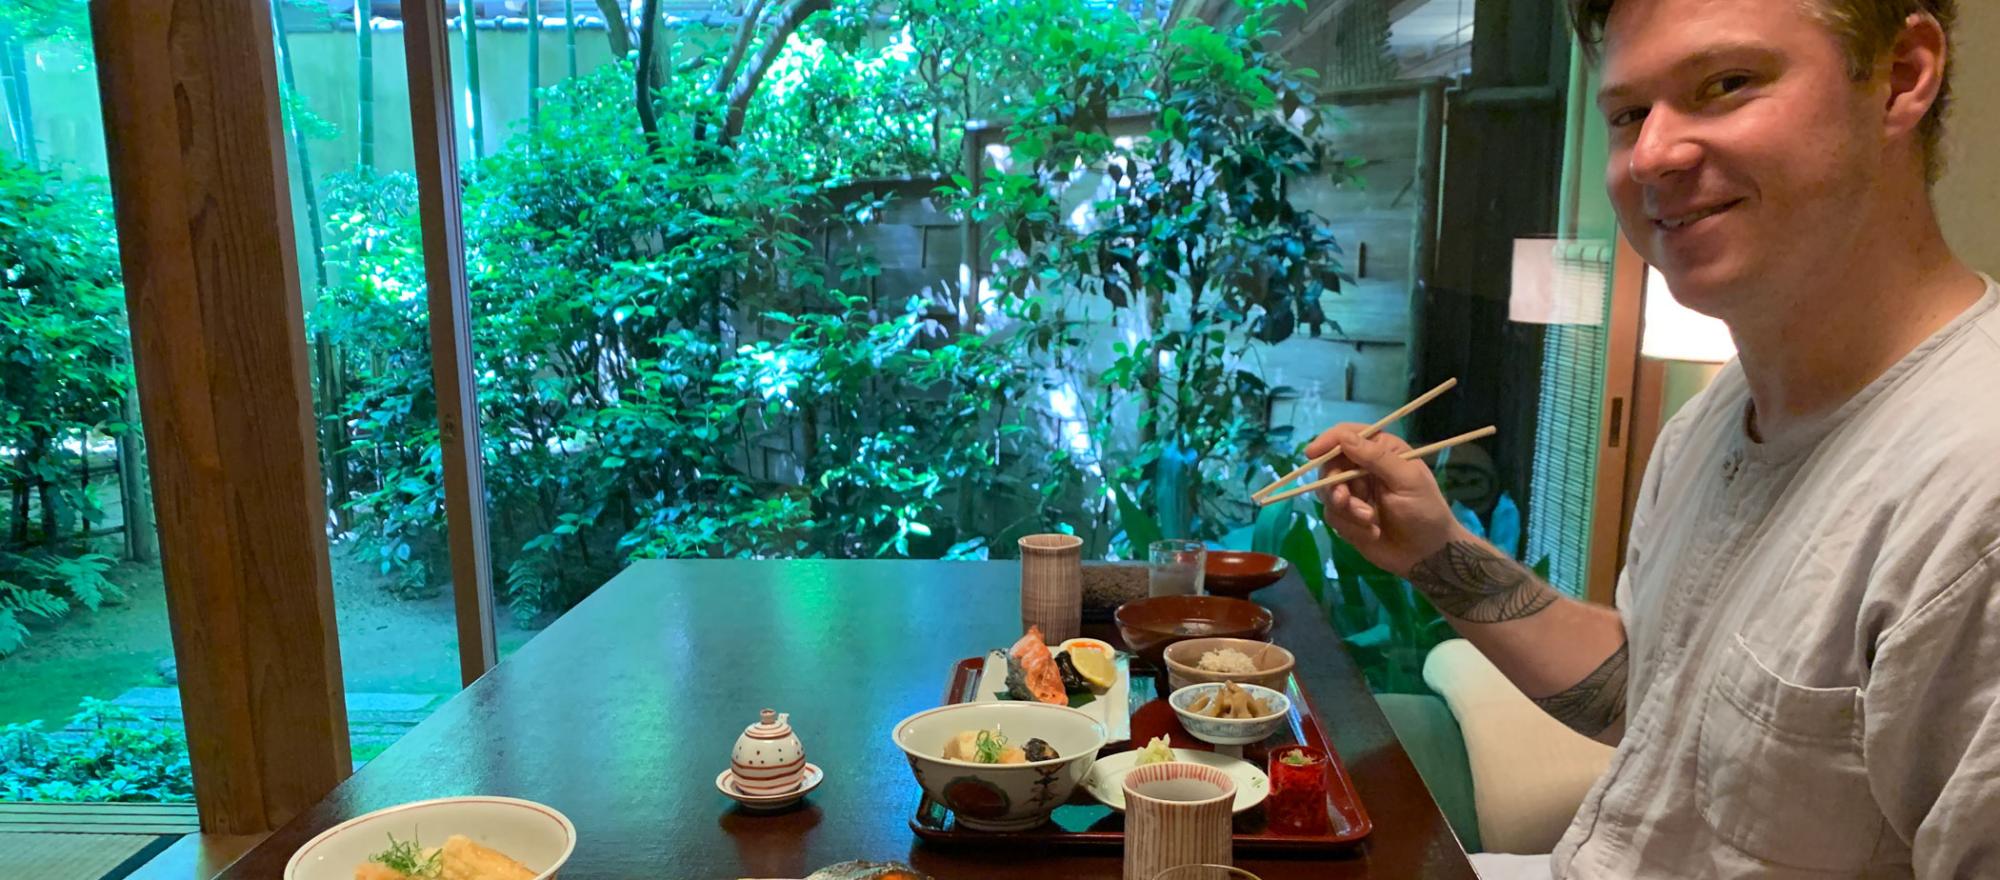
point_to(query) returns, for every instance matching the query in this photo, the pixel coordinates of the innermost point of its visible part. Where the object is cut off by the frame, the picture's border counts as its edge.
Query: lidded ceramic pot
(768, 758)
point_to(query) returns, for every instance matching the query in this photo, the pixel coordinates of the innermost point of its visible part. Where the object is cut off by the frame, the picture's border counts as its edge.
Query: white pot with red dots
(768, 760)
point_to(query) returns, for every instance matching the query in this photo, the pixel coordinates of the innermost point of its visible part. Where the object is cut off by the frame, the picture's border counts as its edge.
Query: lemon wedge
(1096, 669)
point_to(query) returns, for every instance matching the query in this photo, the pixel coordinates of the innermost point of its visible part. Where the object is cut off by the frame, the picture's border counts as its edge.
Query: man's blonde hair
(1866, 28)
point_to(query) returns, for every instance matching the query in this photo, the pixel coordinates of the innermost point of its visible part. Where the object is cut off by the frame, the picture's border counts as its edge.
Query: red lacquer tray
(1085, 824)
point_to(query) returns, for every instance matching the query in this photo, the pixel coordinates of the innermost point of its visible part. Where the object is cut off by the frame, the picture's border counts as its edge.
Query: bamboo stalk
(140, 545)
(308, 187)
(364, 78)
(569, 34)
(468, 21)
(534, 61)
(14, 76)
(7, 89)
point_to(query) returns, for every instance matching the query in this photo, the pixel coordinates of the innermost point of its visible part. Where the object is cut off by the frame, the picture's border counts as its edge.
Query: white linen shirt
(1815, 637)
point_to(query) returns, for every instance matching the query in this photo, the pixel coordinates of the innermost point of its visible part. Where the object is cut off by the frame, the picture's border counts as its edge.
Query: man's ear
(1916, 74)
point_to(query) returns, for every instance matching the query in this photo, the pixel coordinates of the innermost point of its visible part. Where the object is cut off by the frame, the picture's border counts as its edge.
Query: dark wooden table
(622, 712)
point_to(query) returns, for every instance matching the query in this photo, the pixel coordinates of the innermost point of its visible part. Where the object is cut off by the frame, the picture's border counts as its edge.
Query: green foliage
(647, 329)
(118, 757)
(372, 311)
(63, 364)
(673, 362)
(64, 20)
(1389, 628)
(46, 586)
(1179, 232)
(64, 374)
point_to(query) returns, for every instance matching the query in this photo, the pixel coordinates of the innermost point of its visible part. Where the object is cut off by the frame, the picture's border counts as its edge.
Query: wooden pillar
(1423, 257)
(1622, 323)
(197, 167)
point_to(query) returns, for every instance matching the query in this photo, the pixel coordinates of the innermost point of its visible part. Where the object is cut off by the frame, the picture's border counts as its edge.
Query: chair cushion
(1530, 772)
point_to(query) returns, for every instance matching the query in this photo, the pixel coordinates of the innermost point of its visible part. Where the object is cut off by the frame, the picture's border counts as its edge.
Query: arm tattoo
(1592, 705)
(1472, 583)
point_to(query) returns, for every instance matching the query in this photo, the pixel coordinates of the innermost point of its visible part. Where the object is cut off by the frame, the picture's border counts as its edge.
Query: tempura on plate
(459, 859)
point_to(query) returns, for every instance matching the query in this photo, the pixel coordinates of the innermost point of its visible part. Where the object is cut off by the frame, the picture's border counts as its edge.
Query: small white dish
(1107, 777)
(726, 783)
(527, 832)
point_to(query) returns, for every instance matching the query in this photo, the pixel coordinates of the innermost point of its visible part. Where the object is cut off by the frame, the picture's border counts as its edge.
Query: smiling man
(1803, 672)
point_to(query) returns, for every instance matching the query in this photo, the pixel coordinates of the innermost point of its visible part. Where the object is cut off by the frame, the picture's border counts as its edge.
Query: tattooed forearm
(1592, 705)
(1471, 582)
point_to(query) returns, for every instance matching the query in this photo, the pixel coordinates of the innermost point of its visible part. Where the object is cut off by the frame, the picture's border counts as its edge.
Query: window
(89, 711)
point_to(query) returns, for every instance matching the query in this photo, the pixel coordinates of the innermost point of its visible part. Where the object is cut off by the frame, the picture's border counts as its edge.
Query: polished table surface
(623, 711)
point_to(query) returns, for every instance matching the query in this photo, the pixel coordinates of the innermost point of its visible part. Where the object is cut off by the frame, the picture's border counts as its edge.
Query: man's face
(1741, 149)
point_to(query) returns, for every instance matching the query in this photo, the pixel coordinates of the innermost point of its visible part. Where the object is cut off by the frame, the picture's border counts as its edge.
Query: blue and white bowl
(1231, 731)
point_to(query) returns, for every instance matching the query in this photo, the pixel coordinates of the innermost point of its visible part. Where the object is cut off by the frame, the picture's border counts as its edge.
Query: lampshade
(1559, 281)
(1675, 332)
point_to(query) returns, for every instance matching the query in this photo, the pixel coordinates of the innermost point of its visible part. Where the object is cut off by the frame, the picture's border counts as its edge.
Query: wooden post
(427, 52)
(1430, 154)
(1622, 323)
(197, 165)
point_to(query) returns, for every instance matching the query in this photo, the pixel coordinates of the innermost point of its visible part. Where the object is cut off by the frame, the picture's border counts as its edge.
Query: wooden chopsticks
(1411, 455)
(1370, 431)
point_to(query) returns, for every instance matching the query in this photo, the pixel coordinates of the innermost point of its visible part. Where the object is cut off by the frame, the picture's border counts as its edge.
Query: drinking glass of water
(1176, 568)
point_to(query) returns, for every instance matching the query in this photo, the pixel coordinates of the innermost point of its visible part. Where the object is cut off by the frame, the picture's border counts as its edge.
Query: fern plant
(46, 586)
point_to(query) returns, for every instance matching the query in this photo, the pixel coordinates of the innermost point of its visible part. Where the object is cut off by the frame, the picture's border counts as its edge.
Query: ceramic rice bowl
(1001, 797)
(1183, 659)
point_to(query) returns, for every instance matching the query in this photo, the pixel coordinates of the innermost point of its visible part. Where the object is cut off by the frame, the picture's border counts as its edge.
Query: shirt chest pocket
(1779, 773)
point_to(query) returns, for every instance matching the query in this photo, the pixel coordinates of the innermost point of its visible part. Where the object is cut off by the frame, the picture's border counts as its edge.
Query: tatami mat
(51, 856)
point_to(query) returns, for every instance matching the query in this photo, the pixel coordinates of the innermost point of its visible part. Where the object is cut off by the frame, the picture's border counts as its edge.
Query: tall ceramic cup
(1178, 814)
(1052, 586)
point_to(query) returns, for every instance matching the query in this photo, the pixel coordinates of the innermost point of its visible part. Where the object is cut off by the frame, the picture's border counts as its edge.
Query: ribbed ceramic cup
(1178, 814)
(1178, 872)
(1052, 586)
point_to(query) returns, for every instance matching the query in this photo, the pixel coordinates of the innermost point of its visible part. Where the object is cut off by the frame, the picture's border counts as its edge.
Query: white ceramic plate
(1106, 781)
(1113, 708)
(527, 832)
